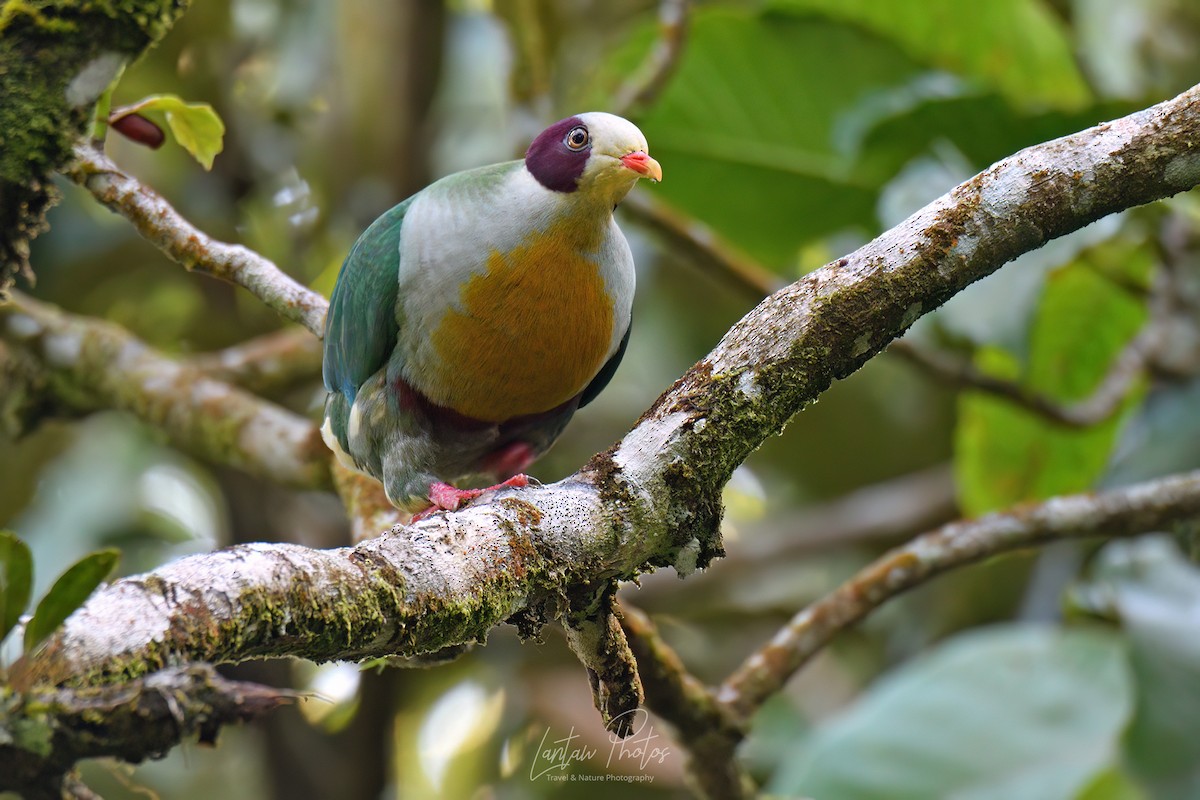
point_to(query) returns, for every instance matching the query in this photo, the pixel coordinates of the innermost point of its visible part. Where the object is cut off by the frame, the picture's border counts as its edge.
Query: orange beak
(643, 165)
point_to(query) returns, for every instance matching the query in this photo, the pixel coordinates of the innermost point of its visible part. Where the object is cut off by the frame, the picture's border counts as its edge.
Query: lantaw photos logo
(624, 760)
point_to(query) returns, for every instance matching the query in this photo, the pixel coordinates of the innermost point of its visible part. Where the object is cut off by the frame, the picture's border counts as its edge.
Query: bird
(470, 322)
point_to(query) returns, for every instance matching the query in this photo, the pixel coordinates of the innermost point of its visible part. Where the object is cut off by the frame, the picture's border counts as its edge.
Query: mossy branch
(56, 59)
(88, 364)
(654, 498)
(43, 732)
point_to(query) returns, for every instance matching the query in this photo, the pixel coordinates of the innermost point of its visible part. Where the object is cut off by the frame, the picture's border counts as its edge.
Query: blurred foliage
(1087, 314)
(796, 129)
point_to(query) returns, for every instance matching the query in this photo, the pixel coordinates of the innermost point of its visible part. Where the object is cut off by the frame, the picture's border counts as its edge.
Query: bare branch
(165, 228)
(696, 241)
(265, 363)
(43, 733)
(705, 727)
(1102, 405)
(93, 364)
(1142, 508)
(654, 73)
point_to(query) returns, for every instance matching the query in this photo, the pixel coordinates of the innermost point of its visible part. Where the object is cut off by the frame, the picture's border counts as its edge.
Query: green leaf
(1005, 454)
(1112, 784)
(1021, 711)
(752, 113)
(16, 578)
(1155, 592)
(196, 126)
(68, 593)
(1017, 46)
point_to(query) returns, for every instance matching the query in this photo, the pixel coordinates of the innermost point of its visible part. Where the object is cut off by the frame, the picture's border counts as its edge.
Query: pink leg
(446, 498)
(512, 460)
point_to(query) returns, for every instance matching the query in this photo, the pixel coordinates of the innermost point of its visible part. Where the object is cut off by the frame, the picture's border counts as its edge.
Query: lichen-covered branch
(44, 732)
(1151, 506)
(56, 58)
(91, 364)
(654, 498)
(165, 228)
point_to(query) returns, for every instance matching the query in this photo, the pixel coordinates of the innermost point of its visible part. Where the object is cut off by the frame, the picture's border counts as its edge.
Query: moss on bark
(56, 58)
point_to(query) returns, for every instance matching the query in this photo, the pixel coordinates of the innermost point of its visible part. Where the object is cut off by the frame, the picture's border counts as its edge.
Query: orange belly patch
(536, 329)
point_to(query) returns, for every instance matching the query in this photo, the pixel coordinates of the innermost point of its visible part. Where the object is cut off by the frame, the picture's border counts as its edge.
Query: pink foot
(446, 498)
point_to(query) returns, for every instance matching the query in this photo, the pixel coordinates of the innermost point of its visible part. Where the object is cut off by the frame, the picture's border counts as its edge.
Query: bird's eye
(577, 138)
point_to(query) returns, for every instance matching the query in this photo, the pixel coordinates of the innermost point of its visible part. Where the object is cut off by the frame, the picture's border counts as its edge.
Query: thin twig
(705, 727)
(1102, 405)
(660, 63)
(165, 228)
(1141, 508)
(697, 242)
(1105, 401)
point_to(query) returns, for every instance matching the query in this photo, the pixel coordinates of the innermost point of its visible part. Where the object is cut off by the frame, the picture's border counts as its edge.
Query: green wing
(361, 327)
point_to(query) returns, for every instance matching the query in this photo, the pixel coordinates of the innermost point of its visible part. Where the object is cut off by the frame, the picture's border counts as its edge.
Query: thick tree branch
(165, 228)
(90, 364)
(1142, 508)
(43, 733)
(654, 498)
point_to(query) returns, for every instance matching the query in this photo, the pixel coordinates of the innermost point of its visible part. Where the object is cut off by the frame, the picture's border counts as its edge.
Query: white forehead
(613, 130)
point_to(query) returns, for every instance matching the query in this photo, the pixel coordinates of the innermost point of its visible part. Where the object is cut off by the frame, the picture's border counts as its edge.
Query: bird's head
(596, 154)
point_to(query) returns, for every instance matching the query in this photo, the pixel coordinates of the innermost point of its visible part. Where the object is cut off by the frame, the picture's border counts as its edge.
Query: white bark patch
(687, 557)
(641, 451)
(121, 619)
(861, 345)
(91, 81)
(271, 435)
(62, 349)
(748, 385)
(23, 326)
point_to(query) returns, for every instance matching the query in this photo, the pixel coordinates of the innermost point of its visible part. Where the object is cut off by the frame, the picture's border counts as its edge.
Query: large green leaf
(1155, 592)
(68, 593)
(1028, 712)
(746, 129)
(16, 577)
(1004, 454)
(1017, 46)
